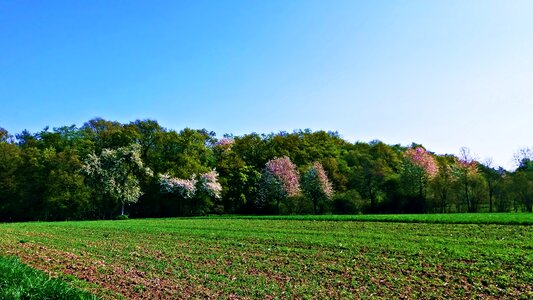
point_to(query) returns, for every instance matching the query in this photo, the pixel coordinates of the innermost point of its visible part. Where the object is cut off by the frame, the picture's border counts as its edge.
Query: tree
(200, 189)
(467, 171)
(523, 183)
(443, 184)
(523, 157)
(279, 180)
(420, 167)
(373, 172)
(116, 172)
(4, 136)
(492, 176)
(316, 186)
(10, 161)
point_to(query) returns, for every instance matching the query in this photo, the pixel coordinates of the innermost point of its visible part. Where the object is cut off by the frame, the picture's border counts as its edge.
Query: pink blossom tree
(225, 142)
(279, 180)
(285, 171)
(420, 167)
(421, 158)
(316, 186)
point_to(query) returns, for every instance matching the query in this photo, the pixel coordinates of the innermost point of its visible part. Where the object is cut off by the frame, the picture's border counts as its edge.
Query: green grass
(18, 281)
(287, 257)
(457, 218)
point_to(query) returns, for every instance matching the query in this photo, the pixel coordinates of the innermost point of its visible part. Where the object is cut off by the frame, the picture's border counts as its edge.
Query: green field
(18, 282)
(458, 218)
(288, 257)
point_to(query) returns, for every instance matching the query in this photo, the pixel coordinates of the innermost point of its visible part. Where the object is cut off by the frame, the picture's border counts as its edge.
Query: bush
(122, 217)
(349, 202)
(296, 205)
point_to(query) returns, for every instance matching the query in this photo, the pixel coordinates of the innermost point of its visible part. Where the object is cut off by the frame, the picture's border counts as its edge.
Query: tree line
(104, 169)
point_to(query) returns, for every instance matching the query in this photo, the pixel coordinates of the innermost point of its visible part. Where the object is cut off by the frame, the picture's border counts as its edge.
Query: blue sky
(445, 74)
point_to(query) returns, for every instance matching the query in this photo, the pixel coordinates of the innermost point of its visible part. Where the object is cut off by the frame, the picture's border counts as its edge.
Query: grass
(18, 281)
(286, 257)
(457, 218)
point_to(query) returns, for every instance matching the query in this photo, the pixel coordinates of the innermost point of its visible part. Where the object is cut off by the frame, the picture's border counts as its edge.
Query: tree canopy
(105, 168)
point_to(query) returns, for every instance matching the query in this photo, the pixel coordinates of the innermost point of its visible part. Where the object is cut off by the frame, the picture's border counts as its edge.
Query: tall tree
(10, 161)
(116, 172)
(419, 168)
(279, 181)
(492, 177)
(317, 187)
(467, 171)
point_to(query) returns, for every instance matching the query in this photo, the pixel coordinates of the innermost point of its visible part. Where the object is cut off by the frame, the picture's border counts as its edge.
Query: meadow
(410, 256)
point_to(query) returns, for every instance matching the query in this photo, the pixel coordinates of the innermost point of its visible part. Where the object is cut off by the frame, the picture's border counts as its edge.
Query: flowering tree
(316, 185)
(225, 142)
(420, 167)
(184, 187)
(195, 188)
(421, 158)
(285, 172)
(115, 171)
(279, 180)
(209, 184)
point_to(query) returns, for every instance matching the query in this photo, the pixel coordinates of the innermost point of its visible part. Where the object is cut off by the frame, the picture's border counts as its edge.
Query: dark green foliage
(40, 176)
(122, 217)
(20, 282)
(349, 202)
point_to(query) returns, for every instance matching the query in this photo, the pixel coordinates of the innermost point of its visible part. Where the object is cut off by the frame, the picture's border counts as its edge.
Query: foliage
(116, 171)
(205, 184)
(185, 187)
(256, 174)
(122, 217)
(209, 184)
(422, 159)
(279, 181)
(349, 202)
(317, 187)
(286, 173)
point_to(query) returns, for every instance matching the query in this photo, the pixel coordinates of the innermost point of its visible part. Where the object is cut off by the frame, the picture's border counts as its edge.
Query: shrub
(349, 202)
(122, 217)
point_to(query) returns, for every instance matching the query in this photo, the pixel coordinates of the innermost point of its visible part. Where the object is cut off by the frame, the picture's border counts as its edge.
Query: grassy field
(458, 218)
(20, 282)
(289, 257)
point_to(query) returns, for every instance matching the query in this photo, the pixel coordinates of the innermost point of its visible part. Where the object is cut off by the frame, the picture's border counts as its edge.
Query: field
(288, 257)
(18, 281)
(458, 218)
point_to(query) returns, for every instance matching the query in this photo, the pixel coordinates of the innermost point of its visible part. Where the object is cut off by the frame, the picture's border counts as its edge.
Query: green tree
(10, 161)
(493, 178)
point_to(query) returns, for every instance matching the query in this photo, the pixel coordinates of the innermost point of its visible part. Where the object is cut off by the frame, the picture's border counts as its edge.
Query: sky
(445, 74)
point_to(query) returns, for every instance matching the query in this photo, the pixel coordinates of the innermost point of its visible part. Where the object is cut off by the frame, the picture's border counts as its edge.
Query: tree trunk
(490, 200)
(468, 204)
(122, 213)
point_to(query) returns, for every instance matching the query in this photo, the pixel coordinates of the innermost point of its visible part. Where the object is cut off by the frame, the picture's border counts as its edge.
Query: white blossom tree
(195, 188)
(115, 171)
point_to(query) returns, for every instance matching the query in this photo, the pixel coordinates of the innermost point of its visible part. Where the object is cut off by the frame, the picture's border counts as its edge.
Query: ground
(279, 258)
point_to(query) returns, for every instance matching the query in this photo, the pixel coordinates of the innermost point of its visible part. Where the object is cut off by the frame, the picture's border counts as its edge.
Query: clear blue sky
(445, 74)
